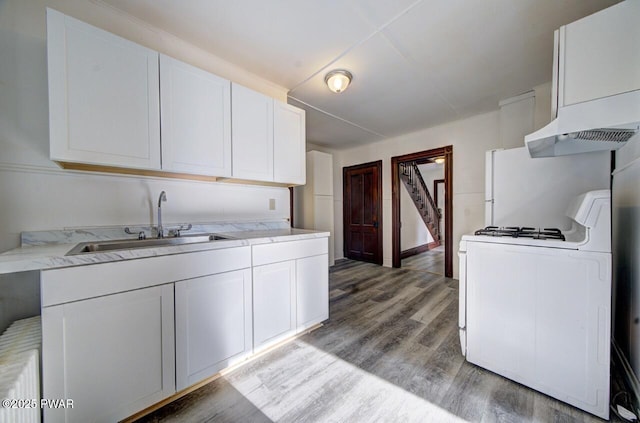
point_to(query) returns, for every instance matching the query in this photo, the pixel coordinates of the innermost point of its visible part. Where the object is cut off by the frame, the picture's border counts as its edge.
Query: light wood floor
(389, 352)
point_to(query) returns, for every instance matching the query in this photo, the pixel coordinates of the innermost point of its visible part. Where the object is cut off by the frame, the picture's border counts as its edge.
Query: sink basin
(128, 244)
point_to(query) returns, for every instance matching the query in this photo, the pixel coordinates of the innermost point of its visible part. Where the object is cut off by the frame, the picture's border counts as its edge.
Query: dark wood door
(363, 212)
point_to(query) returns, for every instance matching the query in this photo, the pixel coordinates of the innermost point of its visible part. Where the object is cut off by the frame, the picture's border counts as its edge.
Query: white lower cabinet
(112, 355)
(213, 324)
(119, 337)
(274, 303)
(290, 288)
(312, 291)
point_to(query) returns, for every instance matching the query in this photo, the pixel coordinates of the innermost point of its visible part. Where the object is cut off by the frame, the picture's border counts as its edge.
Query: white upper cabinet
(195, 119)
(110, 100)
(598, 55)
(252, 123)
(103, 96)
(268, 138)
(288, 144)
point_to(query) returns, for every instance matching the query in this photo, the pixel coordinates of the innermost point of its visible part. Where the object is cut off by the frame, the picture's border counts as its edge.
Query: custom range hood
(602, 124)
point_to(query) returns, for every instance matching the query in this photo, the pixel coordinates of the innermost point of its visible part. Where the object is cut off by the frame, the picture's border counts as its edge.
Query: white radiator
(20, 347)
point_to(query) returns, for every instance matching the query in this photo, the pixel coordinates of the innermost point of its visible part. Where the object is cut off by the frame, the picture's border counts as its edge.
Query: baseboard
(416, 250)
(434, 244)
(630, 379)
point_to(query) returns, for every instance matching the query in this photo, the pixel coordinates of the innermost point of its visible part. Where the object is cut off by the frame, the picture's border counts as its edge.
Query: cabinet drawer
(77, 283)
(281, 251)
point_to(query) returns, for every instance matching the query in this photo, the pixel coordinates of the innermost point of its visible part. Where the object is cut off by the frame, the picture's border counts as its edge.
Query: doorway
(362, 214)
(422, 157)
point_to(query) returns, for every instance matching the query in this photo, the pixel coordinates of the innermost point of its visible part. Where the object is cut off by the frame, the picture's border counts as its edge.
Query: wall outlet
(272, 203)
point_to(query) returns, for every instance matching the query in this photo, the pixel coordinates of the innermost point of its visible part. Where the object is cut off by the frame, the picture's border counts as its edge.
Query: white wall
(626, 252)
(35, 194)
(516, 119)
(470, 139)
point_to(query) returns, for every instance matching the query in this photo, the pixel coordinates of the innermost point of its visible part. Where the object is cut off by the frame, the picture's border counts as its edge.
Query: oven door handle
(462, 295)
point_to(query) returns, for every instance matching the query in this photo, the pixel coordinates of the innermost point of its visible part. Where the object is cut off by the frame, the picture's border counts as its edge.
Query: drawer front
(72, 284)
(282, 251)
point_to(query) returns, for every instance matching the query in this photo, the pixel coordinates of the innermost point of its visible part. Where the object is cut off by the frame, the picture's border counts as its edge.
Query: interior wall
(470, 138)
(430, 172)
(542, 108)
(626, 252)
(19, 297)
(516, 119)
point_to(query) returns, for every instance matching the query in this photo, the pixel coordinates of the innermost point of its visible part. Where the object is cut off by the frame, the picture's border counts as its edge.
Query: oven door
(541, 316)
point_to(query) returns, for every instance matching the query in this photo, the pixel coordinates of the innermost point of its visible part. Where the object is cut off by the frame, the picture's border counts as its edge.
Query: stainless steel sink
(129, 244)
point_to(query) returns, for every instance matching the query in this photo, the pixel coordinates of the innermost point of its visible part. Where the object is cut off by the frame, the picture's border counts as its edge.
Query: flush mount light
(338, 80)
(439, 160)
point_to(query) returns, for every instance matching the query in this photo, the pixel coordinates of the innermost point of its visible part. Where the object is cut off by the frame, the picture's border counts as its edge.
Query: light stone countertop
(41, 257)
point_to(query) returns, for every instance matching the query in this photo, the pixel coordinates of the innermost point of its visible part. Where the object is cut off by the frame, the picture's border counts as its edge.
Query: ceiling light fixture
(338, 80)
(439, 160)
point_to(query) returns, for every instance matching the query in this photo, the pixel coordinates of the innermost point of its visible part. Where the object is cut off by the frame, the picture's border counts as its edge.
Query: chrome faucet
(163, 197)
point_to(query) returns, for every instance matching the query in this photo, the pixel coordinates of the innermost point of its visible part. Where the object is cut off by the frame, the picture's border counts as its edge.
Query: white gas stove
(535, 304)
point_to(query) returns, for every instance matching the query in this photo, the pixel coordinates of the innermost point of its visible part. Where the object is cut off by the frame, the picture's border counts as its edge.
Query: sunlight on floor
(335, 391)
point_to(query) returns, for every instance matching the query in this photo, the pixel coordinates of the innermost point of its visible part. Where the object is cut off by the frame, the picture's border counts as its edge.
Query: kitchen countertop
(52, 256)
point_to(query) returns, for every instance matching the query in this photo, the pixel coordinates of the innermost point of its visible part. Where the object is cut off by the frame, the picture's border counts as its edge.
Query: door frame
(423, 156)
(345, 202)
(436, 182)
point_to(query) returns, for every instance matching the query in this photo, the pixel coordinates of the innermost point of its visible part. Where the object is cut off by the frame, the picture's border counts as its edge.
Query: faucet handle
(141, 234)
(175, 232)
(186, 227)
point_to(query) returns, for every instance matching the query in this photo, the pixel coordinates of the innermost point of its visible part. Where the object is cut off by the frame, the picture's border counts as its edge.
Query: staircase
(412, 179)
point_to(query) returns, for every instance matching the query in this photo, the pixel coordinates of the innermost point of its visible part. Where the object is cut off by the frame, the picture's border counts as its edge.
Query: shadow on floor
(217, 401)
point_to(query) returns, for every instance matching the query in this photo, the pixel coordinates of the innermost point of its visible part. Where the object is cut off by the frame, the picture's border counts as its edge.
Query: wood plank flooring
(430, 261)
(389, 352)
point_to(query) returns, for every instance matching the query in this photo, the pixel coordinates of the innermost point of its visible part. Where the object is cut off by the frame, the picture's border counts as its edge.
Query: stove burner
(522, 232)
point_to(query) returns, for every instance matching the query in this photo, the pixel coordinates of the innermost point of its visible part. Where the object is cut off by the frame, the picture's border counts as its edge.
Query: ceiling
(416, 64)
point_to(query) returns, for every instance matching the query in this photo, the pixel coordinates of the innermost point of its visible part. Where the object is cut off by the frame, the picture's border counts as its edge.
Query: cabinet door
(598, 54)
(252, 134)
(312, 291)
(112, 355)
(213, 324)
(274, 302)
(289, 144)
(103, 96)
(195, 119)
